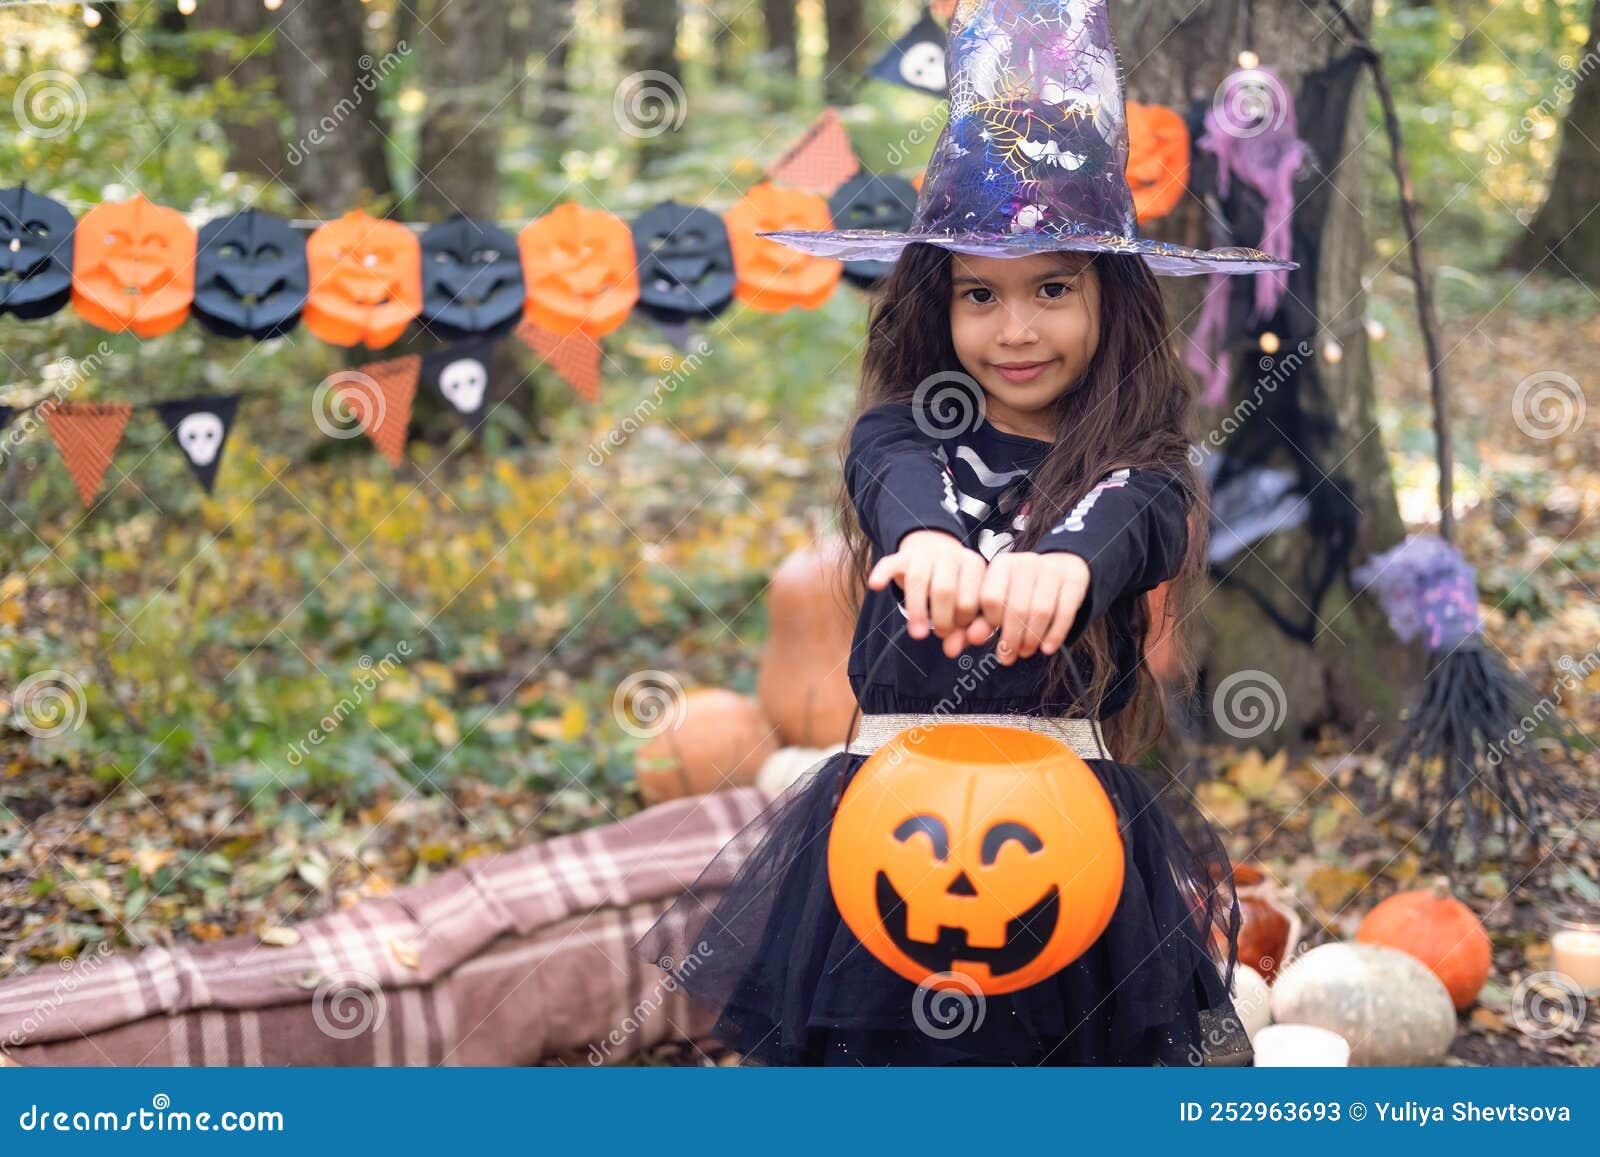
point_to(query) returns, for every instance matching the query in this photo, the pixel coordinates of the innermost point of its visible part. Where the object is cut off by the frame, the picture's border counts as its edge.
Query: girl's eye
(1061, 285)
(970, 292)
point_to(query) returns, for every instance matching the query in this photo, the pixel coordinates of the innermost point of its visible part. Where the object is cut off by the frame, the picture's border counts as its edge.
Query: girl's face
(1026, 329)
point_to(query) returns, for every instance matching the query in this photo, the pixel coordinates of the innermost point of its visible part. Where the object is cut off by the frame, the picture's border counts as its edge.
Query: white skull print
(463, 383)
(200, 436)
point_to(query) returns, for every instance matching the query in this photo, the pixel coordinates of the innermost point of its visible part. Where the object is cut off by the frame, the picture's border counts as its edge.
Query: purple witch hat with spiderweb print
(1034, 156)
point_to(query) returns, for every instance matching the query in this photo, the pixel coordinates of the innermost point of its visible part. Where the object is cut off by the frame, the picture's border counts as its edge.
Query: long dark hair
(1135, 407)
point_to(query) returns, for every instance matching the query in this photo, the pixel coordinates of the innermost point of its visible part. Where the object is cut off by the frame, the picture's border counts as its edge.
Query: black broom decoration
(1468, 746)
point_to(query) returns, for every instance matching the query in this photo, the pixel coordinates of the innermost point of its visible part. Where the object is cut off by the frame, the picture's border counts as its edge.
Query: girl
(1016, 480)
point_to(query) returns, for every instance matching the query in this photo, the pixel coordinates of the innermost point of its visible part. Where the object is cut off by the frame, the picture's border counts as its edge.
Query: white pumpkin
(1386, 1003)
(1252, 1000)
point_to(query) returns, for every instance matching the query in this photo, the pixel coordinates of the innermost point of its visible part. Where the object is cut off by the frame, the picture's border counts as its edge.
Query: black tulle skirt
(759, 940)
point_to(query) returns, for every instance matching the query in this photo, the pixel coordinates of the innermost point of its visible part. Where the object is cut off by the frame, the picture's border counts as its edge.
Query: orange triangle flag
(823, 159)
(87, 434)
(575, 356)
(381, 393)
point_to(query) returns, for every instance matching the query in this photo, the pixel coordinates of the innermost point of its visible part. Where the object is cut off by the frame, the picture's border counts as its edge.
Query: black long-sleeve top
(1131, 529)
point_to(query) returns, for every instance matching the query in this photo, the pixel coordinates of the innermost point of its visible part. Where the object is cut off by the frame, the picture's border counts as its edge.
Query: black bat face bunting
(873, 202)
(685, 262)
(250, 276)
(471, 279)
(35, 254)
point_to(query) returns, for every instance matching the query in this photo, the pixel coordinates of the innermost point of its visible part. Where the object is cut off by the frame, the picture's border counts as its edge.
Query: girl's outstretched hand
(1035, 600)
(941, 579)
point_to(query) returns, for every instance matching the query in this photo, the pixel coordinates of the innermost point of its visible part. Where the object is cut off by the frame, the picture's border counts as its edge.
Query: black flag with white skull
(916, 60)
(201, 425)
(461, 376)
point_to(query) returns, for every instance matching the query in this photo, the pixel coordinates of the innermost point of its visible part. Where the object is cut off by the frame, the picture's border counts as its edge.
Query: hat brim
(1163, 257)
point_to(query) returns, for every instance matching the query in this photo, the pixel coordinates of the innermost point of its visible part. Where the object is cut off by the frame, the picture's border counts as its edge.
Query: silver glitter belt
(1083, 736)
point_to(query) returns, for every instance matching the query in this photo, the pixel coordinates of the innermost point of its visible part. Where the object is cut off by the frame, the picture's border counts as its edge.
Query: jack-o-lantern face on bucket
(965, 853)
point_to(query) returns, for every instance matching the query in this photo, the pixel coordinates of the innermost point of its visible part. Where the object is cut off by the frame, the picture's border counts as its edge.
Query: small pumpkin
(803, 684)
(1391, 1009)
(133, 267)
(366, 280)
(771, 276)
(719, 739)
(1158, 159)
(965, 854)
(1439, 930)
(581, 271)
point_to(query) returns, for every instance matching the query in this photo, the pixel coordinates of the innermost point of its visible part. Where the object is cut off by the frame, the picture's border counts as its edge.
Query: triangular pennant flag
(679, 333)
(461, 375)
(576, 357)
(380, 394)
(821, 161)
(201, 425)
(87, 434)
(917, 59)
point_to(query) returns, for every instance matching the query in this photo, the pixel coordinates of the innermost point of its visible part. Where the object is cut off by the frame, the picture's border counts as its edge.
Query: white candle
(1291, 1046)
(1576, 952)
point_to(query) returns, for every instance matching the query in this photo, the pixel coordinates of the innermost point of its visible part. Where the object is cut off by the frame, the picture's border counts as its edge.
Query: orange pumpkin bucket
(966, 854)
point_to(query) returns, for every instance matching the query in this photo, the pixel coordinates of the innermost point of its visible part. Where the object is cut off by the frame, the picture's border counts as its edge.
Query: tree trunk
(783, 32)
(1355, 674)
(331, 86)
(464, 56)
(849, 46)
(542, 48)
(1564, 238)
(653, 96)
(244, 63)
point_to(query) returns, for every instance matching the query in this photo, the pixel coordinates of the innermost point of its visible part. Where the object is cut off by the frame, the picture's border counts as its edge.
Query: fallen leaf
(280, 937)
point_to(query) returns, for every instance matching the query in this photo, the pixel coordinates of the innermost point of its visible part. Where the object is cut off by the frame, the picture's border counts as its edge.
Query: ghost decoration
(200, 426)
(35, 254)
(916, 60)
(685, 262)
(250, 276)
(472, 282)
(873, 202)
(460, 375)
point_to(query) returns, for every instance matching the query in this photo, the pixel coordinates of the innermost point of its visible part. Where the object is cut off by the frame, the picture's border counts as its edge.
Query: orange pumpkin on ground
(718, 739)
(965, 855)
(366, 281)
(1440, 931)
(581, 271)
(803, 685)
(133, 267)
(1158, 159)
(773, 277)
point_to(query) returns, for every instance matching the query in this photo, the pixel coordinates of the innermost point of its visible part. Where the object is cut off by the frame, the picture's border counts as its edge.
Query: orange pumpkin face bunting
(1158, 159)
(133, 267)
(773, 277)
(965, 854)
(366, 281)
(581, 271)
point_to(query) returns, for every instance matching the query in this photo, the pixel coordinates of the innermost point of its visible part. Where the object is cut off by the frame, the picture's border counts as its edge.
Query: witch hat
(1034, 156)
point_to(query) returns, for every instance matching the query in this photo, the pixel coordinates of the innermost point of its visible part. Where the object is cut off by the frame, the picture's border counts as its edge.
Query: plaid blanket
(507, 960)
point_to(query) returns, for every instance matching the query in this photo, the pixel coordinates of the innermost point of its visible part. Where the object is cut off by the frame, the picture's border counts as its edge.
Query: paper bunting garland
(87, 434)
(366, 281)
(575, 356)
(250, 276)
(917, 59)
(685, 263)
(380, 395)
(773, 277)
(200, 425)
(821, 161)
(133, 267)
(461, 374)
(472, 281)
(580, 269)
